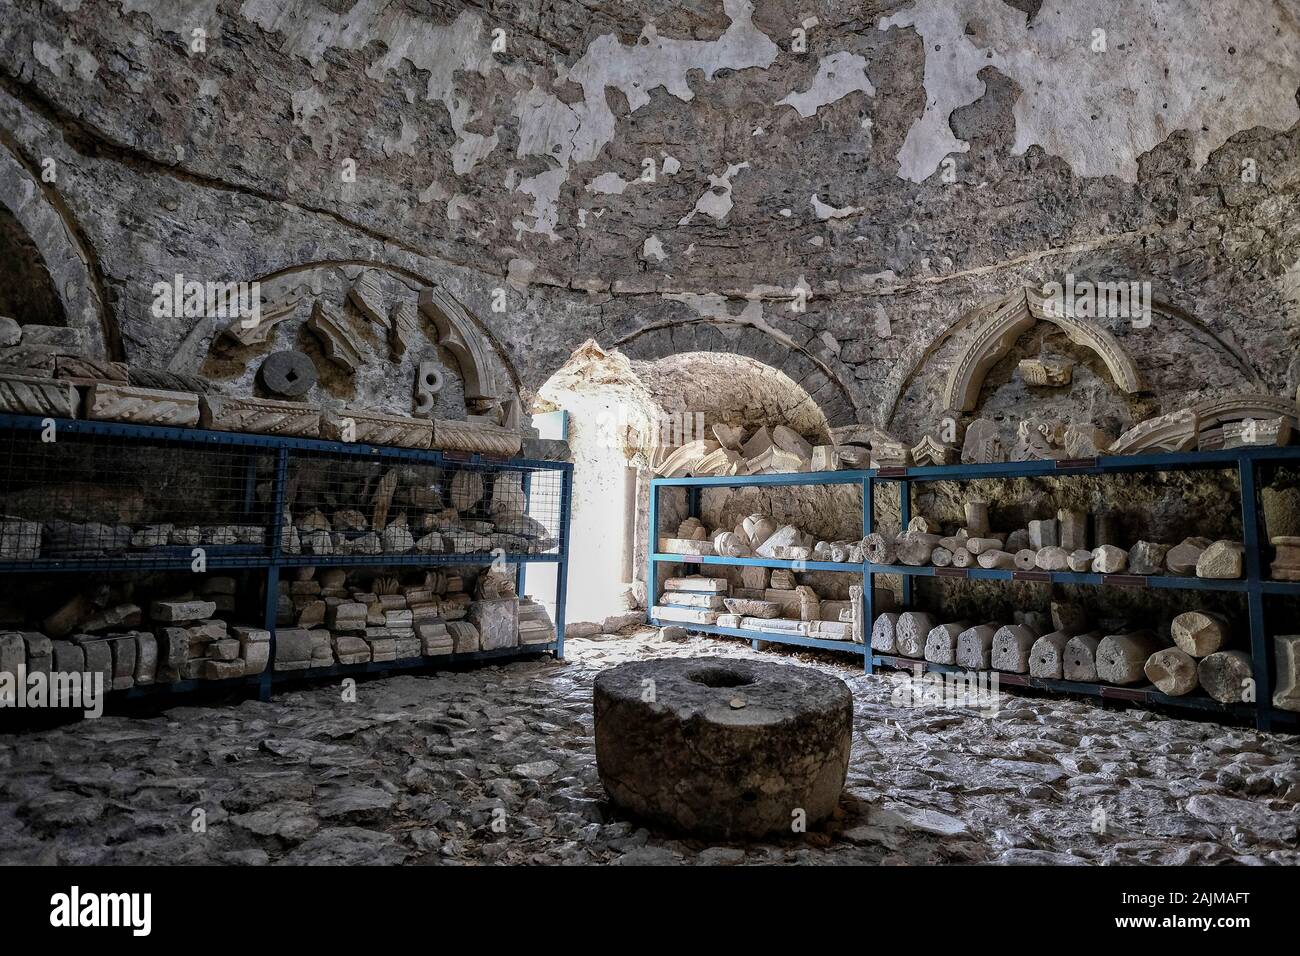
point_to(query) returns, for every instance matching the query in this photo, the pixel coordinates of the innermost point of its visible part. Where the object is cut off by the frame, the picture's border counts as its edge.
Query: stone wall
(831, 193)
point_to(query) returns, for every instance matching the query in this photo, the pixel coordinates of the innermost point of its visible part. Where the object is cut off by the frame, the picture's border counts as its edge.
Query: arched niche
(43, 254)
(996, 331)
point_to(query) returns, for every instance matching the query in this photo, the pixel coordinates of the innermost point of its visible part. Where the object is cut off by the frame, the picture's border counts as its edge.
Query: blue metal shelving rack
(269, 560)
(1245, 462)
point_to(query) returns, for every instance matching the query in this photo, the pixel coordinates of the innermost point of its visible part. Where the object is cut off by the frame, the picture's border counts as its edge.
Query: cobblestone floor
(418, 769)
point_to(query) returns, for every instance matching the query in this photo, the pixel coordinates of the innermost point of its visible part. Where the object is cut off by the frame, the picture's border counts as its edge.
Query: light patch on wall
(176, 16)
(838, 75)
(715, 202)
(441, 50)
(609, 184)
(653, 248)
(575, 133)
(826, 211)
(1161, 70)
(59, 61)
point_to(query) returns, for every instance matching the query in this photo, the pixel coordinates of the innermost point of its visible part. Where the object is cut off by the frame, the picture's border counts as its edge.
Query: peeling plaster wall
(674, 177)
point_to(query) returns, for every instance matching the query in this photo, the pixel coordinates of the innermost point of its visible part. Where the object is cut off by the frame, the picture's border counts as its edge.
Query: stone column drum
(724, 749)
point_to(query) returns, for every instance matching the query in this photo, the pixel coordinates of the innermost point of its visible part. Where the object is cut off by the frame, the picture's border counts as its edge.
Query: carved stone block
(106, 402)
(23, 395)
(983, 443)
(1048, 372)
(82, 371)
(377, 428)
(260, 415)
(480, 437)
(339, 343)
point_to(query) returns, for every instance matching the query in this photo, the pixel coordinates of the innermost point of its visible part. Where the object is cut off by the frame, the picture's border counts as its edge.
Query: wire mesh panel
(342, 506)
(79, 500)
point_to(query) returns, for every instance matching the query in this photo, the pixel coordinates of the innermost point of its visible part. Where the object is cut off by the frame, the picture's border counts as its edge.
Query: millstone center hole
(719, 677)
(291, 376)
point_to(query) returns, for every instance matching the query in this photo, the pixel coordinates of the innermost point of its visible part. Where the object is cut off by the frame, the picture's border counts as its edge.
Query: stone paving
(496, 765)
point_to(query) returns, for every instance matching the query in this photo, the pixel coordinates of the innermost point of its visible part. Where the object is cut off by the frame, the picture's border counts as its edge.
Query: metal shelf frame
(269, 559)
(1244, 463)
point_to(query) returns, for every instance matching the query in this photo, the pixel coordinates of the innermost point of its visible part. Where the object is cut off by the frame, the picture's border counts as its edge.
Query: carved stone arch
(486, 370)
(64, 251)
(1160, 310)
(823, 386)
(998, 329)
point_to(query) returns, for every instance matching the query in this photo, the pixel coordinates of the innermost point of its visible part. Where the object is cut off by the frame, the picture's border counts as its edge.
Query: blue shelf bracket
(1261, 655)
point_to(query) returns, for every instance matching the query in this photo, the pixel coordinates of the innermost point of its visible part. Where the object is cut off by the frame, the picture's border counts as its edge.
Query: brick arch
(823, 386)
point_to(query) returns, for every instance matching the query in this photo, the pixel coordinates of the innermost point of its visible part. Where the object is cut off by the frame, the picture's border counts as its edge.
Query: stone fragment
(107, 401)
(914, 547)
(961, 558)
(975, 647)
(11, 333)
(146, 657)
(977, 518)
(1011, 646)
(477, 437)
(1047, 655)
(293, 645)
(81, 370)
(1052, 559)
(878, 549)
(978, 546)
(1147, 557)
(376, 428)
(931, 451)
(1080, 561)
(941, 642)
(1286, 565)
(1051, 373)
(1182, 558)
(983, 443)
(785, 536)
(1254, 432)
(258, 415)
(1081, 657)
(1108, 559)
(1286, 649)
(883, 633)
(117, 616)
(1173, 671)
(339, 342)
(1120, 658)
(1085, 441)
(911, 632)
(1200, 633)
(497, 623)
(464, 635)
(178, 611)
(1222, 561)
(941, 557)
(124, 650)
(1072, 526)
(999, 560)
(1175, 431)
(1043, 534)
(700, 583)
(1227, 676)
(24, 395)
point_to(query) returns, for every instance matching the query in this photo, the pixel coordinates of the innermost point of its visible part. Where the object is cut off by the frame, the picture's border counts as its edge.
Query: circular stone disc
(288, 373)
(721, 747)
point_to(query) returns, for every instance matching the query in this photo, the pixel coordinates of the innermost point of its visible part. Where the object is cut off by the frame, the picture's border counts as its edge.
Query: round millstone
(723, 748)
(289, 373)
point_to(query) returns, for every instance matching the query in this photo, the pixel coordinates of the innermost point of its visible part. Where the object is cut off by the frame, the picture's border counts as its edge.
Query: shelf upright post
(273, 565)
(562, 572)
(904, 516)
(693, 501)
(1259, 649)
(867, 608)
(521, 569)
(652, 546)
